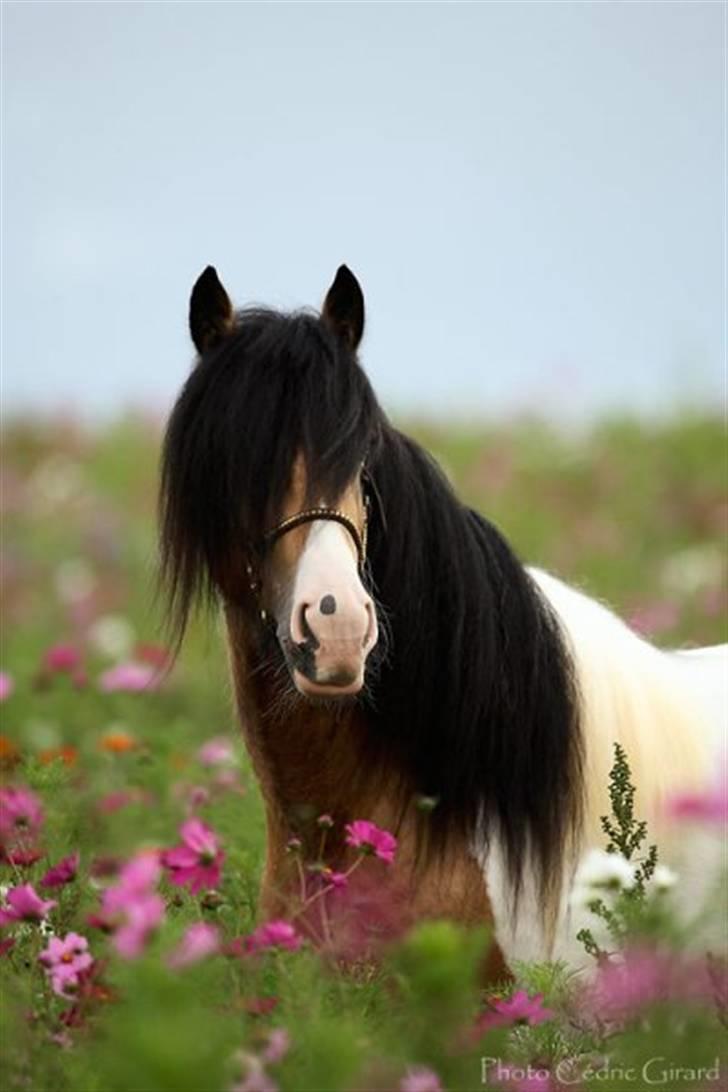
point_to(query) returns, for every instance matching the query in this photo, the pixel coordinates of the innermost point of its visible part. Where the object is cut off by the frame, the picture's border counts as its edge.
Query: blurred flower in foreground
(199, 941)
(276, 1047)
(131, 677)
(644, 977)
(24, 904)
(420, 1079)
(196, 863)
(369, 838)
(65, 961)
(6, 686)
(131, 907)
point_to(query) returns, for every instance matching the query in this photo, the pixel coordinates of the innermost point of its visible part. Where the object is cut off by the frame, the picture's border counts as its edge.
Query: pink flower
(130, 677)
(709, 806)
(6, 685)
(337, 880)
(21, 814)
(196, 863)
(518, 1009)
(274, 934)
(24, 904)
(131, 908)
(142, 914)
(420, 1079)
(65, 960)
(277, 1046)
(217, 752)
(62, 658)
(644, 977)
(369, 838)
(199, 941)
(62, 873)
(256, 1080)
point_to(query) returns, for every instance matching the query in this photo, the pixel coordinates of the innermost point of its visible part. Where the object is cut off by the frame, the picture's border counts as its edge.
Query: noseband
(333, 515)
(310, 515)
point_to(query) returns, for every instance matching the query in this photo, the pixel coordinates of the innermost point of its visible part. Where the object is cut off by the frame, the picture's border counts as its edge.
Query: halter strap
(333, 515)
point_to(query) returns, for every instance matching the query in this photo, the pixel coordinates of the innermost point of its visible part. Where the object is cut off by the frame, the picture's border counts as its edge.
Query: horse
(388, 650)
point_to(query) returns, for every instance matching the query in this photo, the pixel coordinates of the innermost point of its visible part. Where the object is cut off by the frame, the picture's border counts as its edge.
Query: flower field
(132, 958)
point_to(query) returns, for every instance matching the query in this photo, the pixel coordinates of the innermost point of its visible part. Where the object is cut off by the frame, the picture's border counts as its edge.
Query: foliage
(633, 513)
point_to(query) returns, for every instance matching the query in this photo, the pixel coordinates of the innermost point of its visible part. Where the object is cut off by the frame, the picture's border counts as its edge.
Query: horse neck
(308, 760)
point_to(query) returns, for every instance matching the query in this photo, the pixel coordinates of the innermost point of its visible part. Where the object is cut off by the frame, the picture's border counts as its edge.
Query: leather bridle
(310, 515)
(333, 515)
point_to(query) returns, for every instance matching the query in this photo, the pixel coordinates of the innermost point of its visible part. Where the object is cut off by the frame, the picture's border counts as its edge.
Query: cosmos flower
(131, 908)
(21, 814)
(196, 863)
(369, 838)
(24, 904)
(6, 686)
(199, 941)
(217, 752)
(420, 1079)
(62, 873)
(518, 1009)
(65, 960)
(274, 934)
(130, 677)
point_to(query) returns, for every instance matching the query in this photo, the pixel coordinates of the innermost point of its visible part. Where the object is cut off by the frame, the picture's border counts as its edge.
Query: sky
(532, 195)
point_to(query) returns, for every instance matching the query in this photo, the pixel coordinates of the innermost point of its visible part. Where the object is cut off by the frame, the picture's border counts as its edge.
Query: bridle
(311, 515)
(333, 515)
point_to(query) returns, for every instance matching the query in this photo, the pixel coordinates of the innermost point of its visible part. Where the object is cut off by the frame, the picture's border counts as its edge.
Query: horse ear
(343, 309)
(211, 312)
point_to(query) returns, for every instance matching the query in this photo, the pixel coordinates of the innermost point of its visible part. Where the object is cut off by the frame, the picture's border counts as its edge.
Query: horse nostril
(369, 607)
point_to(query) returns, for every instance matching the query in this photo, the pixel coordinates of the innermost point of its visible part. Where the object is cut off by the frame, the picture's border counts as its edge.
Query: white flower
(664, 878)
(696, 567)
(601, 869)
(112, 635)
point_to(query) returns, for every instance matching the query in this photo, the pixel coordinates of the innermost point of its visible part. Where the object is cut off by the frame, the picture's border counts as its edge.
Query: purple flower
(65, 961)
(518, 1009)
(369, 838)
(420, 1079)
(196, 863)
(274, 934)
(62, 873)
(24, 904)
(21, 814)
(217, 752)
(6, 685)
(199, 941)
(130, 677)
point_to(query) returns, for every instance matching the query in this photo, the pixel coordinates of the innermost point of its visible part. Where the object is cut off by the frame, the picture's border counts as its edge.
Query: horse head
(264, 479)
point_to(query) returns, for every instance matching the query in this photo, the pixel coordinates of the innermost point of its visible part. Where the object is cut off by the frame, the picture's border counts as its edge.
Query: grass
(633, 513)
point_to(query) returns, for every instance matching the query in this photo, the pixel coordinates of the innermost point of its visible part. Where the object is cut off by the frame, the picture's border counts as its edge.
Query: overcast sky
(531, 194)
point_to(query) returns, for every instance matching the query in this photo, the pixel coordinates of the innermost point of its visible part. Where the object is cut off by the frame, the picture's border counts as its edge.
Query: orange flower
(66, 753)
(9, 753)
(118, 742)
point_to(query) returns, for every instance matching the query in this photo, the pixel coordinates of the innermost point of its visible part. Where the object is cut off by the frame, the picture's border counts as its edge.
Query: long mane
(475, 703)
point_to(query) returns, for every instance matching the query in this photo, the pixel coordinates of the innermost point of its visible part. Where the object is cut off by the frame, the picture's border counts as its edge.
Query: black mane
(475, 702)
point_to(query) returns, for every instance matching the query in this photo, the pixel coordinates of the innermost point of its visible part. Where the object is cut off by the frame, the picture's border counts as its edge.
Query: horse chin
(327, 692)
